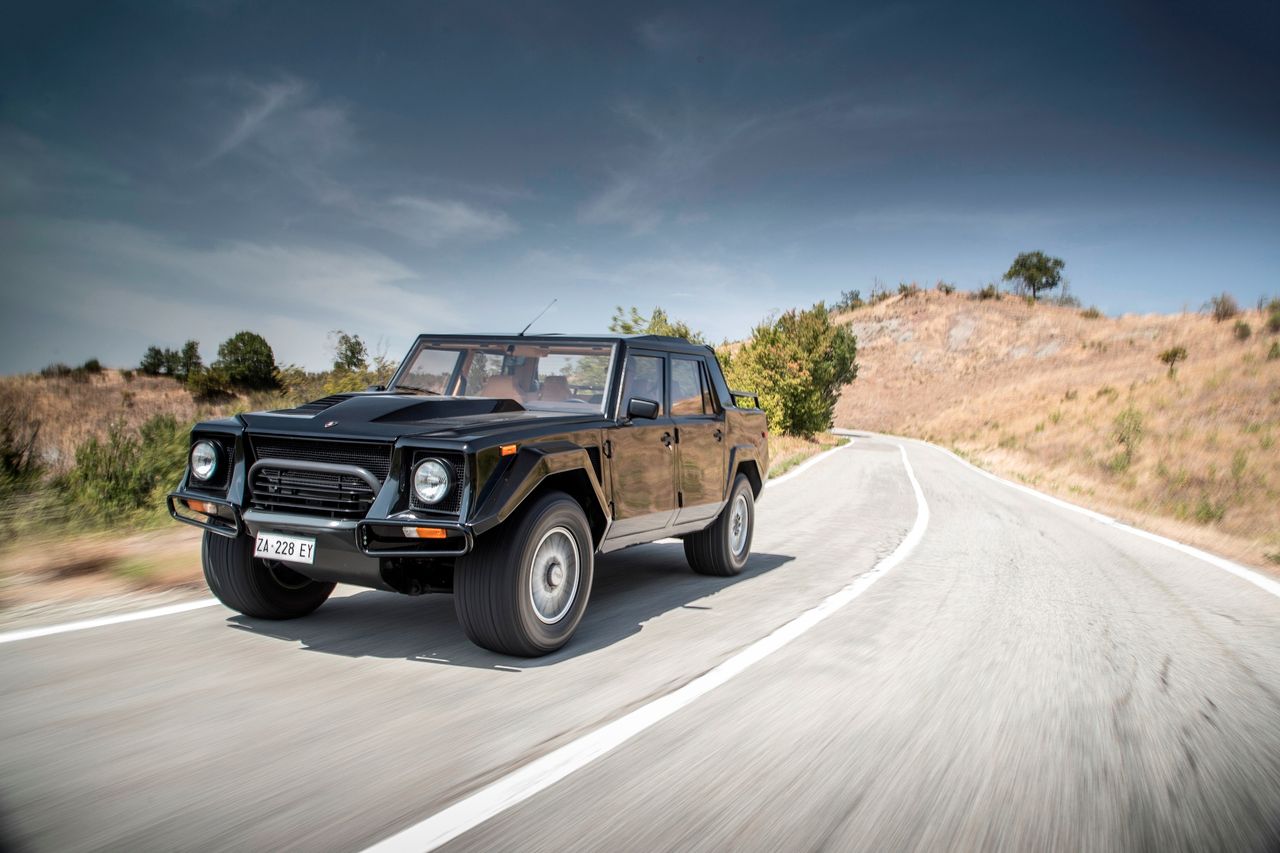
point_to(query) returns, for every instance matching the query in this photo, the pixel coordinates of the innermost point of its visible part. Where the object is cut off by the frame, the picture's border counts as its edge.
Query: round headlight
(204, 460)
(431, 481)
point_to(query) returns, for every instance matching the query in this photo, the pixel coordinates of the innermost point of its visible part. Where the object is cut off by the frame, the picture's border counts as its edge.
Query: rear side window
(688, 391)
(644, 379)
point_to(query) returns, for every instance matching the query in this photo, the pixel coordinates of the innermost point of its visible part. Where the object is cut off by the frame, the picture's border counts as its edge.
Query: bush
(632, 322)
(57, 369)
(988, 292)
(1242, 330)
(906, 291)
(1223, 307)
(92, 366)
(211, 384)
(945, 288)
(849, 301)
(1172, 356)
(115, 478)
(798, 364)
(1273, 322)
(18, 434)
(1273, 354)
(248, 362)
(1091, 313)
(1126, 431)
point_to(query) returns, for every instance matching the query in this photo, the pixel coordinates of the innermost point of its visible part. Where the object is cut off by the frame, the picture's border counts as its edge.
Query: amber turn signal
(207, 507)
(425, 532)
(509, 449)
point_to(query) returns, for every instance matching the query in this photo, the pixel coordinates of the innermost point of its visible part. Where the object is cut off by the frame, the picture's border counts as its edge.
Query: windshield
(556, 377)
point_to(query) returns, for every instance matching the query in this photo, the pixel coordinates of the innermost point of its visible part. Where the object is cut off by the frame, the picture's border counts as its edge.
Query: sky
(185, 170)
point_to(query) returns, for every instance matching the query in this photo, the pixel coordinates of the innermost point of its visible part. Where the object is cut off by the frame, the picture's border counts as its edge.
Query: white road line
(544, 772)
(49, 630)
(1246, 574)
(807, 464)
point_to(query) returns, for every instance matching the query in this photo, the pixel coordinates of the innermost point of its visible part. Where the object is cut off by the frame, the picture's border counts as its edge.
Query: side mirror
(640, 408)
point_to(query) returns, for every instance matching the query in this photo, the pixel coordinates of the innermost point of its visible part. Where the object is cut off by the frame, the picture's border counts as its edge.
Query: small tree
(247, 360)
(152, 361)
(1172, 356)
(189, 361)
(349, 352)
(1035, 271)
(798, 364)
(632, 322)
(1242, 330)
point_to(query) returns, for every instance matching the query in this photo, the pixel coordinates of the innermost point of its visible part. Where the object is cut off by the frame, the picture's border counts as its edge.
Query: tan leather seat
(501, 387)
(554, 389)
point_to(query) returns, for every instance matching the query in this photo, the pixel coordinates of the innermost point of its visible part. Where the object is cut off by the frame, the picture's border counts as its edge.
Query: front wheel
(523, 592)
(265, 589)
(722, 549)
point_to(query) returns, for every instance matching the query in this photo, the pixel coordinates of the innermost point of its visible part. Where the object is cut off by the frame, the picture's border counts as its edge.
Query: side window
(708, 402)
(687, 394)
(644, 379)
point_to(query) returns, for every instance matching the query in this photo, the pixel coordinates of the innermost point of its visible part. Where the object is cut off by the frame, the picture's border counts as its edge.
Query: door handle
(666, 439)
(719, 434)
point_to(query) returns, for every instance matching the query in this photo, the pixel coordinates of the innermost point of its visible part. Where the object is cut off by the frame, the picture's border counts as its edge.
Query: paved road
(1024, 679)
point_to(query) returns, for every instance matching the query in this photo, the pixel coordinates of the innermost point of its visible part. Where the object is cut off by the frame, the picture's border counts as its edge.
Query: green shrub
(1242, 330)
(210, 384)
(945, 288)
(849, 301)
(1223, 307)
(906, 291)
(632, 322)
(92, 366)
(1273, 354)
(988, 292)
(1172, 356)
(55, 370)
(1273, 321)
(1091, 313)
(117, 477)
(1210, 511)
(248, 362)
(798, 364)
(1126, 431)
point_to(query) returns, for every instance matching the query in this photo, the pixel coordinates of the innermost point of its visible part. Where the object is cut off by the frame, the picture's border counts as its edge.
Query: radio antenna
(535, 319)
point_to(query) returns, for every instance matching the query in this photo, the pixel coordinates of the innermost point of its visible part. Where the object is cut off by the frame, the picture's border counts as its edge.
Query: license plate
(291, 549)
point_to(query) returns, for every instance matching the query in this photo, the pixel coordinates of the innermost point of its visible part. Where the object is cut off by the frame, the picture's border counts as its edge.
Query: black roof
(657, 341)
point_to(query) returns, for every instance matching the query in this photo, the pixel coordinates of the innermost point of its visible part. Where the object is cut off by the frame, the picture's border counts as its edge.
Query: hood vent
(315, 406)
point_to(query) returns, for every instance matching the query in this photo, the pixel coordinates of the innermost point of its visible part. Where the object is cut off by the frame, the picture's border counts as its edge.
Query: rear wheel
(264, 589)
(723, 548)
(522, 591)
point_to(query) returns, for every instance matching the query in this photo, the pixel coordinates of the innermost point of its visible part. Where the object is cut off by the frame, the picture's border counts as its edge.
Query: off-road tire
(492, 584)
(254, 587)
(711, 551)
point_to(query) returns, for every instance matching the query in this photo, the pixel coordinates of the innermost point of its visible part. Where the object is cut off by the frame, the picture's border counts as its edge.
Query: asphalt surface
(1025, 679)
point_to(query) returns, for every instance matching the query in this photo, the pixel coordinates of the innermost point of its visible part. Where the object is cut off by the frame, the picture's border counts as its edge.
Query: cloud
(285, 126)
(265, 101)
(131, 288)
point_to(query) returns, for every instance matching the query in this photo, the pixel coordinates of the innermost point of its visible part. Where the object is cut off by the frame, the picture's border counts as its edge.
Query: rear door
(700, 439)
(643, 454)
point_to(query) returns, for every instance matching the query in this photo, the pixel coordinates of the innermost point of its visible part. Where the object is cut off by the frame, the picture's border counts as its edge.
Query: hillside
(1037, 392)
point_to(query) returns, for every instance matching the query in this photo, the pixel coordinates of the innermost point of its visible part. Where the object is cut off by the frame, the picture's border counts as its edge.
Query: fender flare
(534, 464)
(738, 454)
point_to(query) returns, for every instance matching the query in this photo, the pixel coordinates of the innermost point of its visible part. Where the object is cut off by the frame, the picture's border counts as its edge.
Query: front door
(643, 455)
(700, 440)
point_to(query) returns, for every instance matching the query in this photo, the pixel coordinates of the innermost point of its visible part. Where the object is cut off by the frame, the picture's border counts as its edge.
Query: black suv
(492, 467)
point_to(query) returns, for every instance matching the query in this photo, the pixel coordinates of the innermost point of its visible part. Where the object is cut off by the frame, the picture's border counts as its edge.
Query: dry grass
(788, 451)
(1044, 395)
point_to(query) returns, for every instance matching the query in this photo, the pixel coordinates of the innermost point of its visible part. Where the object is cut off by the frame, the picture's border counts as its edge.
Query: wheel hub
(554, 575)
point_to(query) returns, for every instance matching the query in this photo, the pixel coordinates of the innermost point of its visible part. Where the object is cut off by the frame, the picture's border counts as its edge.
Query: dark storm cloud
(466, 162)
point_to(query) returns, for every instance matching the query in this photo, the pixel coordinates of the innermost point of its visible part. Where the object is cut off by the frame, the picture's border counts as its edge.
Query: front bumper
(347, 551)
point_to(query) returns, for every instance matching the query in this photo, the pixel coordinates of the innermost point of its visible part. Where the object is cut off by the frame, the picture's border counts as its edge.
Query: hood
(390, 416)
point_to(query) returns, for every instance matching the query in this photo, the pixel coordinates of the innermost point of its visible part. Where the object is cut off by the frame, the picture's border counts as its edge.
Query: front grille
(311, 493)
(374, 458)
(278, 487)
